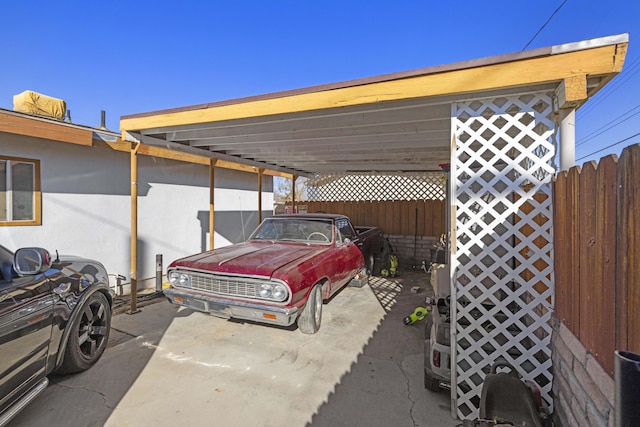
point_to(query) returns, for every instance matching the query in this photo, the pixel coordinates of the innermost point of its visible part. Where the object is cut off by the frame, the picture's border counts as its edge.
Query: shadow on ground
(385, 386)
(172, 366)
(88, 398)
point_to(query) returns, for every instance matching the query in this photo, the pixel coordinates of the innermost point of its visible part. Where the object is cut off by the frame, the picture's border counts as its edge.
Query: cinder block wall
(584, 392)
(411, 251)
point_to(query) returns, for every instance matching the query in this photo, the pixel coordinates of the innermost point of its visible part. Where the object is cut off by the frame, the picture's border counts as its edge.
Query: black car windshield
(294, 230)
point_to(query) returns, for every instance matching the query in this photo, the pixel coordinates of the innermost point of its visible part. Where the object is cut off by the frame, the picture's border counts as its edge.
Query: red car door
(349, 255)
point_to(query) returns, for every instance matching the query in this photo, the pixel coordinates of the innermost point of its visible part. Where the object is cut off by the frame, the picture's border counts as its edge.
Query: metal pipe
(158, 272)
(627, 389)
(567, 139)
(119, 279)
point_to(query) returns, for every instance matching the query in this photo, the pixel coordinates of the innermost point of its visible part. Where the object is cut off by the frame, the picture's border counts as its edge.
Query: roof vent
(103, 119)
(31, 102)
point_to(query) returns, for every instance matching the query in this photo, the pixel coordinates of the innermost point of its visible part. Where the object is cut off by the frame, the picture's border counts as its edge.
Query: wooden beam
(45, 129)
(212, 210)
(619, 56)
(134, 228)
(538, 70)
(260, 171)
(293, 193)
(572, 92)
(165, 153)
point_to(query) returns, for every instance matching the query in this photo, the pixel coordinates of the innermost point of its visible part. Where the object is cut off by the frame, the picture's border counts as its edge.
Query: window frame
(37, 195)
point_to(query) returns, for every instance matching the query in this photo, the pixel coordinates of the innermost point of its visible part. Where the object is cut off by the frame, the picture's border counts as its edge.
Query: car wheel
(311, 316)
(430, 383)
(88, 336)
(370, 265)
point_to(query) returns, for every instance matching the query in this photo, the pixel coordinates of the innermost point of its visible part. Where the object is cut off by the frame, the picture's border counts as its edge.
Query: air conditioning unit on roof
(41, 105)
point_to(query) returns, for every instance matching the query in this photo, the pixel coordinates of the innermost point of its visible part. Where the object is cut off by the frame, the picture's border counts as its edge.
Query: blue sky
(128, 57)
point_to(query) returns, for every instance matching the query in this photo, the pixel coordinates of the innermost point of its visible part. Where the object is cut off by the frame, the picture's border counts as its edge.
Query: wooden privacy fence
(405, 217)
(597, 254)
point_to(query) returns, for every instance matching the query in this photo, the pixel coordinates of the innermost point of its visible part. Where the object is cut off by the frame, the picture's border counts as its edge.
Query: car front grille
(227, 285)
(223, 285)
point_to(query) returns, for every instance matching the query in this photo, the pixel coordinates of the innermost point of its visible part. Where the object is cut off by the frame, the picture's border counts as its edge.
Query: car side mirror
(30, 261)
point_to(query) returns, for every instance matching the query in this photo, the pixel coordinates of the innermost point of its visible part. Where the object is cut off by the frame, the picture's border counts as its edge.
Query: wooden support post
(134, 228)
(212, 182)
(260, 172)
(293, 193)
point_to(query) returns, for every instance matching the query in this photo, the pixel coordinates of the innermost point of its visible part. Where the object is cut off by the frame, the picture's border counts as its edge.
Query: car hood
(90, 272)
(251, 258)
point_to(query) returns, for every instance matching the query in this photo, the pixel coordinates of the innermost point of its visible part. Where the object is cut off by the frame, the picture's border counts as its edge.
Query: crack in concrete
(124, 332)
(399, 364)
(413, 402)
(102, 395)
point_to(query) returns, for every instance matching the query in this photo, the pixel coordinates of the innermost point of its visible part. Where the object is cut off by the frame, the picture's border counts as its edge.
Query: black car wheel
(430, 383)
(311, 316)
(370, 265)
(88, 336)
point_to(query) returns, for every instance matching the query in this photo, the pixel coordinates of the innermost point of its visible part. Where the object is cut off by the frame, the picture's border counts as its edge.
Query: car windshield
(294, 230)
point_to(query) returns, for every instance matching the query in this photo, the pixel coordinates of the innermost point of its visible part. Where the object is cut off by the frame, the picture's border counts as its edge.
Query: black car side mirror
(30, 261)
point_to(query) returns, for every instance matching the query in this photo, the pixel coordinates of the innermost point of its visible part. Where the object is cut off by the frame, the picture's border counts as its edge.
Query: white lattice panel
(502, 171)
(377, 186)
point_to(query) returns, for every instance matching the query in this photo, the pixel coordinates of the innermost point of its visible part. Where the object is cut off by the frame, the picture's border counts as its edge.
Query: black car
(55, 315)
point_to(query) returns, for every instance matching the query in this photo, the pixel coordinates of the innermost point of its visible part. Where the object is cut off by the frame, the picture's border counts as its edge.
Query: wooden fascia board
(165, 153)
(35, 128)
(531, 71)
(573, 91)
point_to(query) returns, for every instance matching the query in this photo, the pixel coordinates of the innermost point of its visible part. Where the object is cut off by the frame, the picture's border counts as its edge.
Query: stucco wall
(86, 205)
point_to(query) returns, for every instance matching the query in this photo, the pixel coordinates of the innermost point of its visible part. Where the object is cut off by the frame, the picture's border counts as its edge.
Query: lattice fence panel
(376, 187)
(503, 166)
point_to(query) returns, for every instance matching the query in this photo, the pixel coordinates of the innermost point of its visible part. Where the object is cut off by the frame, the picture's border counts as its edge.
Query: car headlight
(279, 293)
(177, 278)
(271, 291)
(264, 290)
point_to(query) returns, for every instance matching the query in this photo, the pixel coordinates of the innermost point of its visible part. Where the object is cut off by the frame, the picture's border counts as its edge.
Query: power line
(608, 146)
(545, 24)
(604, 128)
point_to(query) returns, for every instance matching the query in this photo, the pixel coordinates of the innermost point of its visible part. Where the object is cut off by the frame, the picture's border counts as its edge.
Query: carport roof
(397, 122)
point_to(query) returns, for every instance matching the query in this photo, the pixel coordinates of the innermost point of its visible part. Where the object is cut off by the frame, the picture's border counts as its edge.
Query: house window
(19, 191)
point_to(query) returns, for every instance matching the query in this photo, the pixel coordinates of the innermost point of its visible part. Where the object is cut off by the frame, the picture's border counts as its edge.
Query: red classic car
(282, 273)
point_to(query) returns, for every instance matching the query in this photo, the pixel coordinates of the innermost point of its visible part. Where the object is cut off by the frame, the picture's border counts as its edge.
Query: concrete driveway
(172, 366)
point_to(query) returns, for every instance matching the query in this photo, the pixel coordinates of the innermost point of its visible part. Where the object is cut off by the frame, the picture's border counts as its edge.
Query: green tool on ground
(418, 314)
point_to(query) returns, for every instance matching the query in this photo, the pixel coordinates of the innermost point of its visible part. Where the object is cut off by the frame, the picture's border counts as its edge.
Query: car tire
(88, 336)
(431, 383)
(371, 264)
(311, 315)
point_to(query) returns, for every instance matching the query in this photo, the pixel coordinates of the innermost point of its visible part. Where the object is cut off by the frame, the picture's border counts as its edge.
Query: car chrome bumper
(282, 316)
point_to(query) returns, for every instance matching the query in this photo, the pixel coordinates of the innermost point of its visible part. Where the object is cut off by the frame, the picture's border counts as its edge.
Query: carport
(500, 122)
